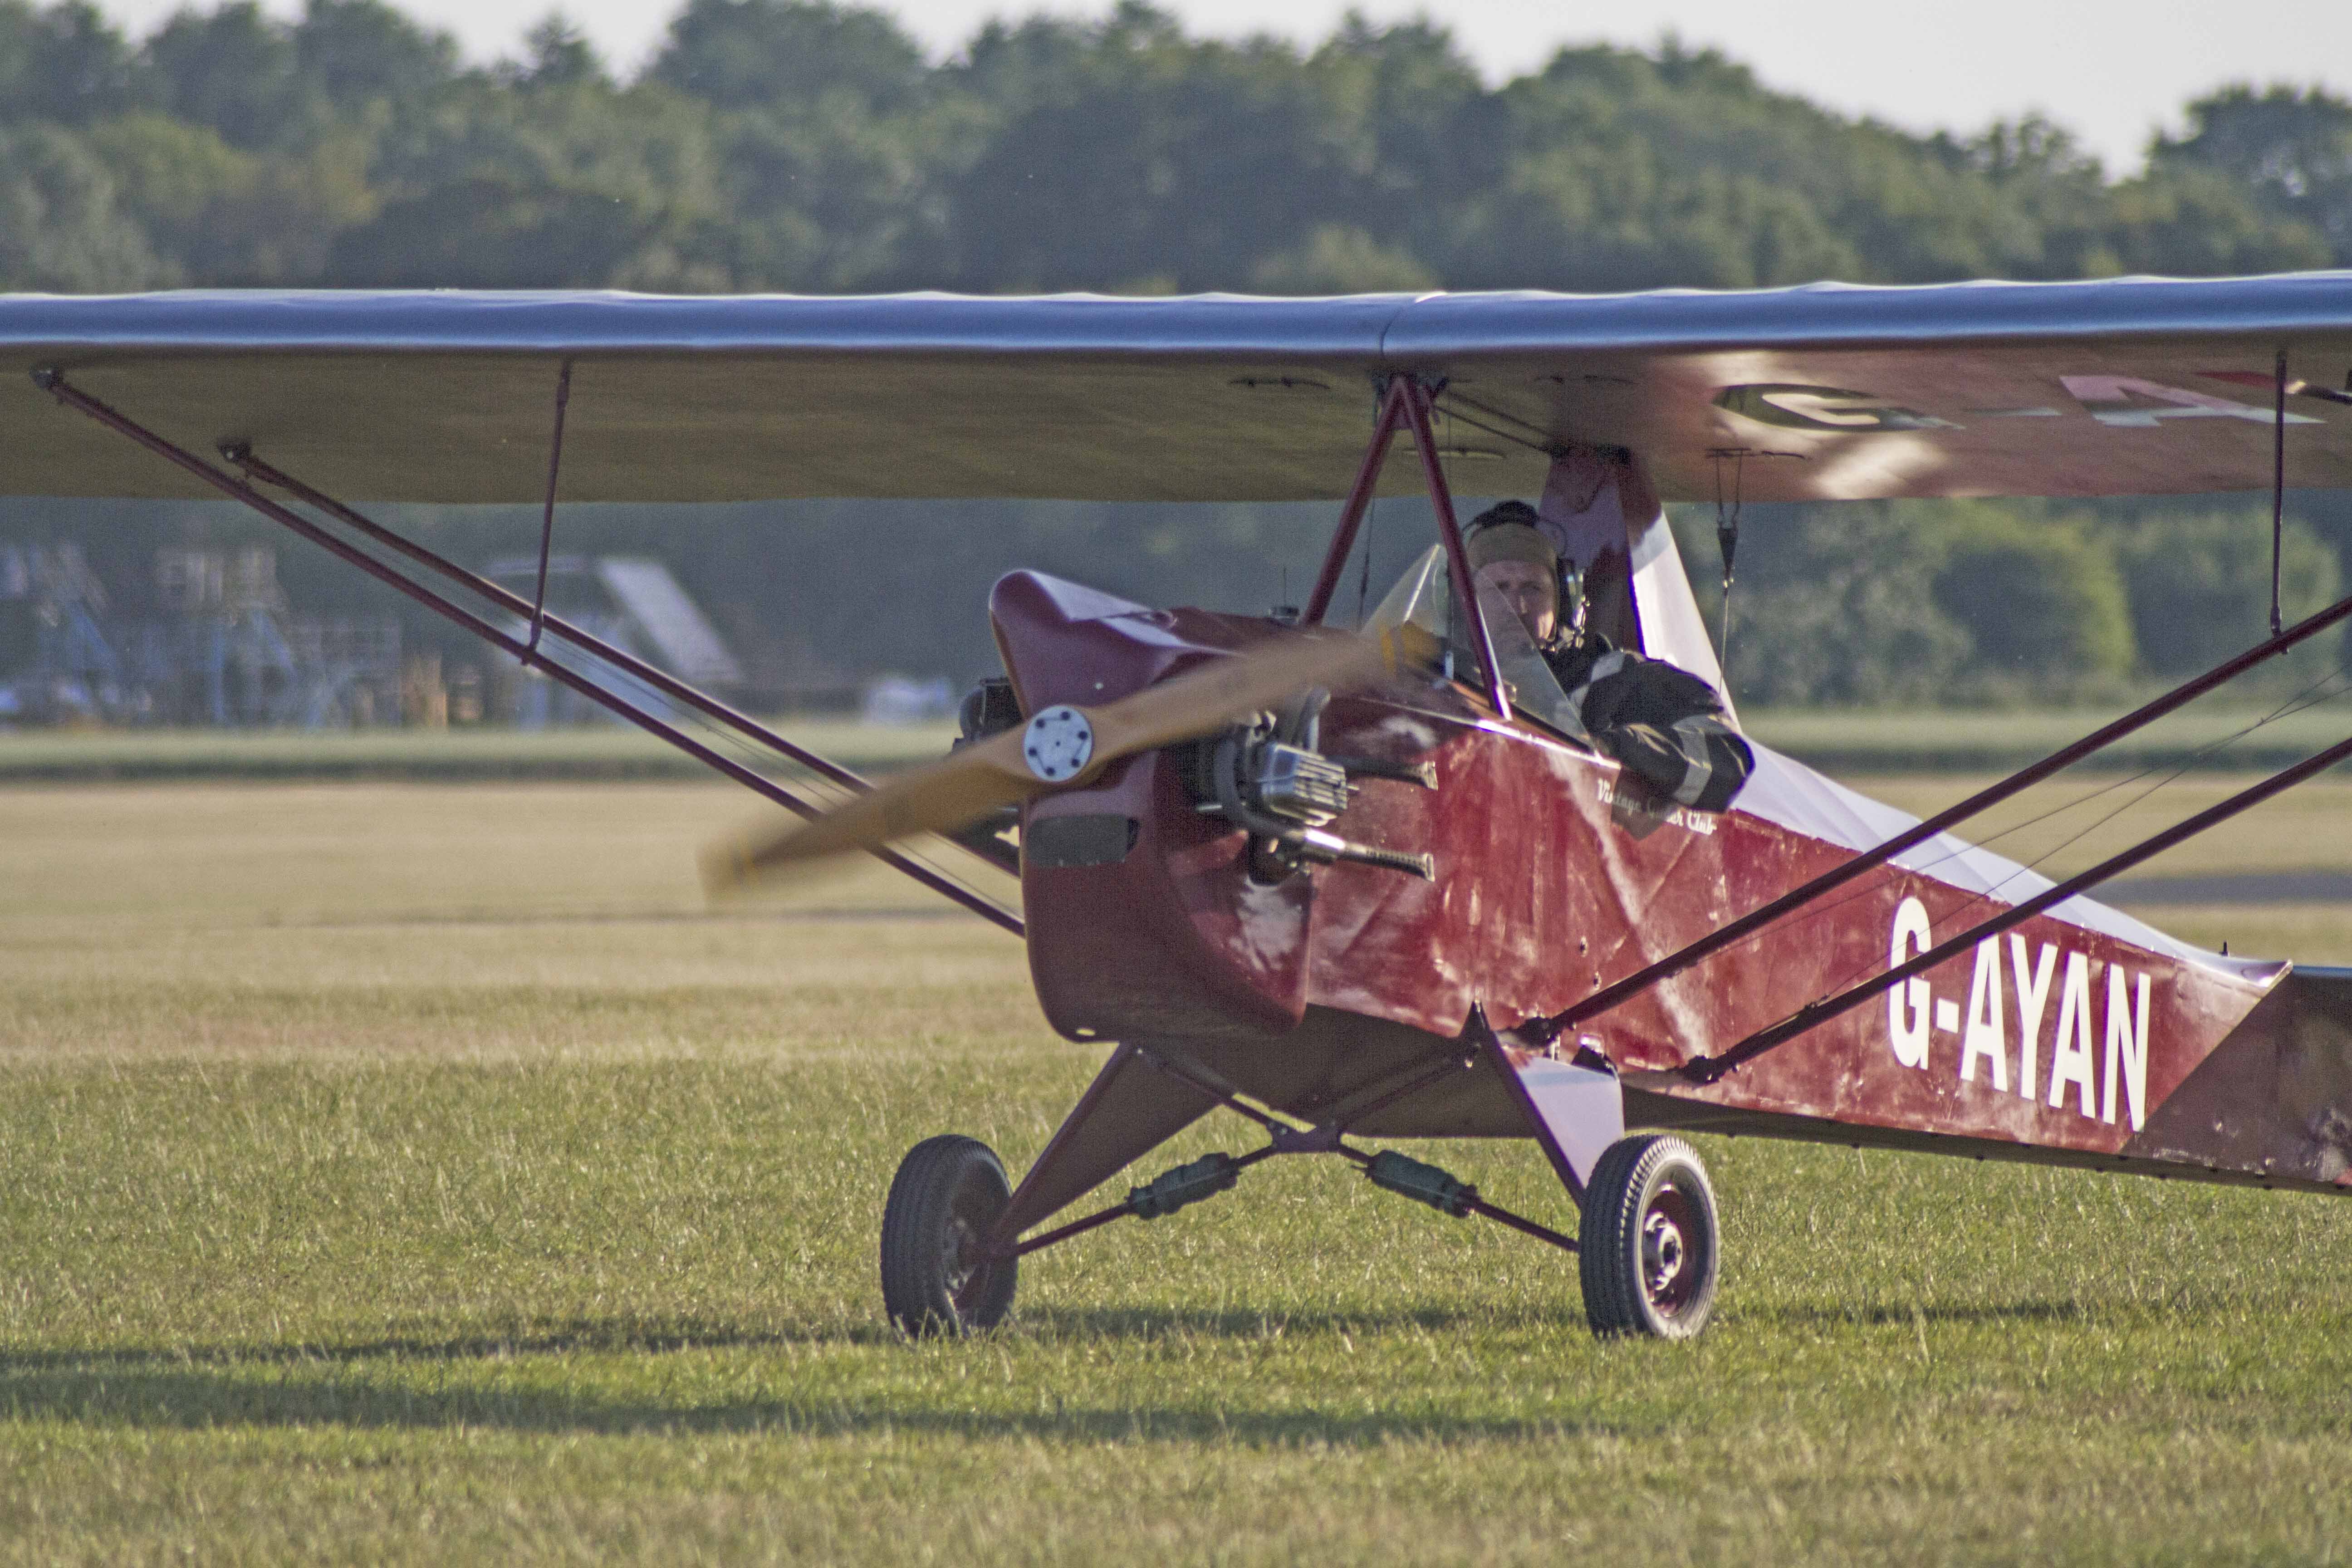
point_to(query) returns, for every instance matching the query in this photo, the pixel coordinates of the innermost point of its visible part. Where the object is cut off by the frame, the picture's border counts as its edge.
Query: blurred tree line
(1974, 604)
(776, 144)
(1901, 603)
(781, 144)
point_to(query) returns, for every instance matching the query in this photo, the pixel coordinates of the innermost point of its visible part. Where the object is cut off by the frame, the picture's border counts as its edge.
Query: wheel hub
(956, 1252)
(1663, 1255)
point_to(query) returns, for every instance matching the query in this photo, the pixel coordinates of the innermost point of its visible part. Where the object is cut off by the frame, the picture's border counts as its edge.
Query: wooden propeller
(1059, 748)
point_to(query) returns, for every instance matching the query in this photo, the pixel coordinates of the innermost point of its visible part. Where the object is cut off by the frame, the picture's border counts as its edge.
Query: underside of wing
(2121, 387)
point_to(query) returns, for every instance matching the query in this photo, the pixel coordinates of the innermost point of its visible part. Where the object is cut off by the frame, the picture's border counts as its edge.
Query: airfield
(412, 1168)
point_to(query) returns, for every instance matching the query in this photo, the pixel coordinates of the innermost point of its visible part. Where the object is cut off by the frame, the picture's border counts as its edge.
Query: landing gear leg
(1650, 1248)
(938, 1274)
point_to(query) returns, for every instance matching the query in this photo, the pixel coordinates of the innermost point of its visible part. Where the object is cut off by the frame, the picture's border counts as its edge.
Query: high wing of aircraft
(1379, 883)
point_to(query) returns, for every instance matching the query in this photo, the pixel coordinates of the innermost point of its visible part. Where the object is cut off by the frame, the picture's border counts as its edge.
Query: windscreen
(1424, 599)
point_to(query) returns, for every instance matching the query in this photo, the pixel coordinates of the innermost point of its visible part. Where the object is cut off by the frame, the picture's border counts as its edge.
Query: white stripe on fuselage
(1788, 795)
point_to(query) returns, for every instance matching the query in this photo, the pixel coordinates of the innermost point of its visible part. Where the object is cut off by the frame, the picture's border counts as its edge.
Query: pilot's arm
(1667, 725)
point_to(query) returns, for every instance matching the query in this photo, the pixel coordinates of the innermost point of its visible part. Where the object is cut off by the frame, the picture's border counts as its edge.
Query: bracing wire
(1727, 540)
(2307, 697)
(936, 854)
(2301, 702)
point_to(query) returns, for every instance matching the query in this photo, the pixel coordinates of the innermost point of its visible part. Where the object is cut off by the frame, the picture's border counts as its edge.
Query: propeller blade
(1059, 747)
(962, 788)
(1227, 689)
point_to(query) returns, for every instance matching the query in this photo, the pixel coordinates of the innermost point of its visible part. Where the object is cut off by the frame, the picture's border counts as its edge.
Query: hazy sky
(2110, 69)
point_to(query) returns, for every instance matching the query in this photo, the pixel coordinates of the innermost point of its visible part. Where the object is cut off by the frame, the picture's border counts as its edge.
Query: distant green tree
(61, 227)
(1924, 603)
(2059, 191)
(2200, 583)
(1680, 169)
(1599, 219)
(828, 200)
(66, 64)
(360, 53)
(829, 134)
(1411, 131)
(575, 184)
(2188, 222)
(1834, 606)
(2292, 150)
(808, 144)
(2039, 595)
(1337, 259)
(556, 53)
(220, 215)
(737, 55)
(1154, 162)
(236, 72)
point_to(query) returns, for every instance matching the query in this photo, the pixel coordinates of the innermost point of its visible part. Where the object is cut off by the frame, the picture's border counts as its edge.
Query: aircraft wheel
(947, 1197)
(1649, 1247)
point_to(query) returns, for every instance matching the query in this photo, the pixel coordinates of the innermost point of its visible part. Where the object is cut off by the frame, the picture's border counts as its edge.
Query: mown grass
(2067, 823)
(1839, 740)
(478, 754)
(2205, 736)
(418, 1175)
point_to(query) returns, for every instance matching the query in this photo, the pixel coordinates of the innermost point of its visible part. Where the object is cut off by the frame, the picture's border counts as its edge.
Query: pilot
(1664, 725)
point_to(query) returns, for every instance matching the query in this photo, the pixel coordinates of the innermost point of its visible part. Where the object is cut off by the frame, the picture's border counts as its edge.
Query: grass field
(1839, 740)
(2205, 735)
(604, 752)
(404, 1174)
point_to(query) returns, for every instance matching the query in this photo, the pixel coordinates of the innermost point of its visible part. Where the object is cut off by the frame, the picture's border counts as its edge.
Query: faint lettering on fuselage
(1635, 803)
(2056, 1068)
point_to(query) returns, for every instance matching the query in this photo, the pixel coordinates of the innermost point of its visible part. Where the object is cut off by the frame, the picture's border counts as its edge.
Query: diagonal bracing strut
(1622, 990)
(1707, 1069)
(547, 516)
(1406, 403)
(54, 383)
(1216, 1173)
(243, 456)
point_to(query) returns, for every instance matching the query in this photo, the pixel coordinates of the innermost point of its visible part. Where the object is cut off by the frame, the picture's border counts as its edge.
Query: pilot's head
(1511, 556)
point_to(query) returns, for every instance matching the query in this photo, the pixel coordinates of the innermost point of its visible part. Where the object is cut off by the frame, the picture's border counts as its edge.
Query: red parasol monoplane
(1372, 883)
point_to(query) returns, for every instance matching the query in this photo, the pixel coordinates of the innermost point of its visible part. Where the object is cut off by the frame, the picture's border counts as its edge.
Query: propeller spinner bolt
(1058, 745)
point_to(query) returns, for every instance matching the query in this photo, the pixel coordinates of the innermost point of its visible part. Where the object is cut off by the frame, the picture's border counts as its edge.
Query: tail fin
(2274, 1099)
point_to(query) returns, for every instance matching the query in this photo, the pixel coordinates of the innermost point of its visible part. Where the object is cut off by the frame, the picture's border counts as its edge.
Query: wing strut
(547, 516)
(1727, 540)
(1406, 403)
(1707, 1069)
(1360, 499)
(2278, 491)
(54, 383)
(1217, 1171)
(1673, 963)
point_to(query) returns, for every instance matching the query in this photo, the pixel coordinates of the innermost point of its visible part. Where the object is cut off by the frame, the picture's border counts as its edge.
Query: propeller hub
(1058, 743)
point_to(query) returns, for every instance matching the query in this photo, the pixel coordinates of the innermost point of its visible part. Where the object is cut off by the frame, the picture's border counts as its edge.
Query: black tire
(945, 1201)
(1649, 1248)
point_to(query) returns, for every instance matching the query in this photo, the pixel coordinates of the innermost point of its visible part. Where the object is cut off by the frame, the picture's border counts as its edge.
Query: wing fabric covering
(1827, 392)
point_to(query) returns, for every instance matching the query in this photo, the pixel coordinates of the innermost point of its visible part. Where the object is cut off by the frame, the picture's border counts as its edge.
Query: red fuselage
(1554, 877)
